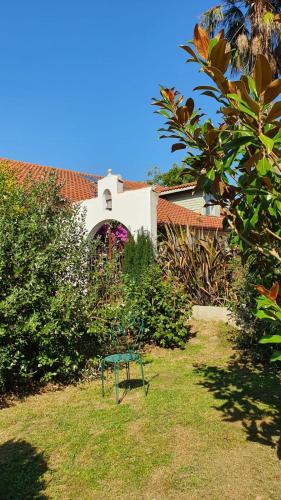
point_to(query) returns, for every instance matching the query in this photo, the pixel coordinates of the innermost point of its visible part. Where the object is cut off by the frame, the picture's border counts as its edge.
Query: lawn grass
(209, 428)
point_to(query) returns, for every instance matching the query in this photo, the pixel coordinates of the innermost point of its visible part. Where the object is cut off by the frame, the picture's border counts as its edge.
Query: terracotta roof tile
(168, 212)
(131, 185)
(163, 189)
(74, 186)
(78, 186)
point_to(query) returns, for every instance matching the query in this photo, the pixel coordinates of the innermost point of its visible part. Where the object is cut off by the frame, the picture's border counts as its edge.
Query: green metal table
(121, 359)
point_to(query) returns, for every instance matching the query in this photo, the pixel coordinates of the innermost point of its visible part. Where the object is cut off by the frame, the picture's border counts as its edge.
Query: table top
(125, 357)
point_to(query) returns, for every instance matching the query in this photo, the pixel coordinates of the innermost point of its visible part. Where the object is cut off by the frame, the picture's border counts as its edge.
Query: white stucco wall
(135, 209)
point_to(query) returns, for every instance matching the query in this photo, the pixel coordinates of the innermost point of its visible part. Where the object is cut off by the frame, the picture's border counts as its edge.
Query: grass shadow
(21, 471)
(128, 386)
(250, 395)
(134, 383)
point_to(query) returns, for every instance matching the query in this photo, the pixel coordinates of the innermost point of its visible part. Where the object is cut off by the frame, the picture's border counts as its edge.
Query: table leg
(102, 378)
(116, 379)
(128, 375)
(142, 376)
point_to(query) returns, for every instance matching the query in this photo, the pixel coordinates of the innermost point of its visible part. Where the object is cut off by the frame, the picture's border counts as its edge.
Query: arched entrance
(110, 238)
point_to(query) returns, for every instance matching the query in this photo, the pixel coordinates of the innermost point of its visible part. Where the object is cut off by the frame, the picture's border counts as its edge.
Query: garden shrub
(43, 278)
(250, 328)
(161, 306)
(151, 300)
(138, 255)
(199, 261)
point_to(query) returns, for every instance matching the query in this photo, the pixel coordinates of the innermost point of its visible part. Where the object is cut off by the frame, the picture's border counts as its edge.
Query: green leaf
(269, 143)
(276, 356)
(242, 105)
(252, 85)
(264, 166)
(277, 137)
(163, 113)
(211, 174)
(212, 44)
(264, 302)
(255, 217)
(270, 339)
(260, 314)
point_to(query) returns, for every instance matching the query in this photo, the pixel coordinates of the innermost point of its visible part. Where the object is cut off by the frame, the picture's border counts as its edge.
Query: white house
(134, 204)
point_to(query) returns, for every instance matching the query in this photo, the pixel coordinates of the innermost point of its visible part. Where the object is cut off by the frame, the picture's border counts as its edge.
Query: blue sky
(77, 78)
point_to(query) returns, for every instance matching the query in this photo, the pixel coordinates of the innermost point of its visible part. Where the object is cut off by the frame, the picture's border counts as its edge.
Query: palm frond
(212, 19)
(250, 29)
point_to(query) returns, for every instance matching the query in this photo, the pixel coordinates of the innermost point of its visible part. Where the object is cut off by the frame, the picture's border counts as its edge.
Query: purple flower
(121, 234)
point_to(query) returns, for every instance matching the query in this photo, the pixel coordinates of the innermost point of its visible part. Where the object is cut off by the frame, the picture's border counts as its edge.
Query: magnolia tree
(237, 161)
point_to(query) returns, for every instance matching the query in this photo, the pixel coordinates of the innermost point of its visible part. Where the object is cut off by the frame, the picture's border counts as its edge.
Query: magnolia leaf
(274, 113)
(169, 94)
(277, 137)
(229, 111)
(242, 87)
(190, 105)
(201, 41)
(264, 315)
(267, 182)
(232, 87)
(269, 143)
(177, 146)
(182, 114)
(253, 159)
(190, 51)
(270, 339)
(274, 291)
(263, 166)
(195, 119)
(206, 87)
(271, 294)
(276, 356)
(262, 73)
(272, 91)
(218, 56)
(163, 113)
(255, 217)
(212, 44)
(243, 106)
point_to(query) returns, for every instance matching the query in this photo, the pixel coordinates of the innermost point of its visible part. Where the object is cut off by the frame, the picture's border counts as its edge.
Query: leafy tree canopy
(176, 175)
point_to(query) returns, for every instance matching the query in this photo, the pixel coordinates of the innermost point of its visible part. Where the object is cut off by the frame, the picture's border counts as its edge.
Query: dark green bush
(43, 283)
(162, 307)
(138, 255)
